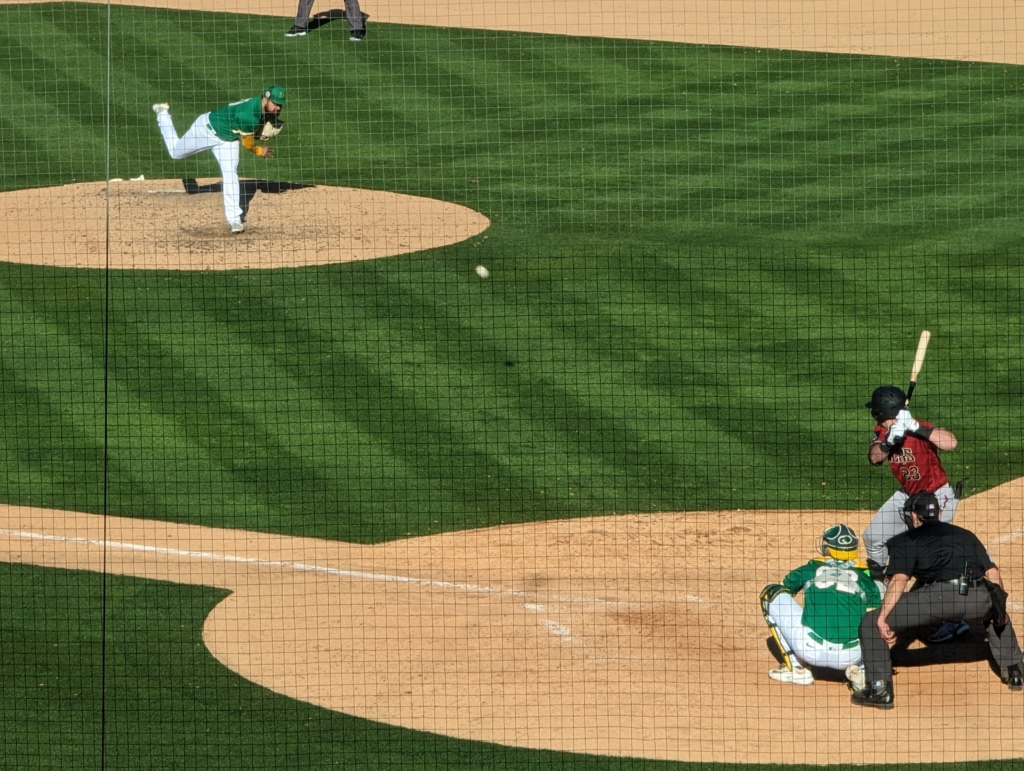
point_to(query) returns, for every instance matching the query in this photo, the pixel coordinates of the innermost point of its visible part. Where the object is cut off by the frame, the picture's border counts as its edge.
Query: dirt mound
(157, 224)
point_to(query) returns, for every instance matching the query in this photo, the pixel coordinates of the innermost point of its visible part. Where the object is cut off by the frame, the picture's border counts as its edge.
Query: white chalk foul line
(1013, 535)
(558, 630)
(299, 566)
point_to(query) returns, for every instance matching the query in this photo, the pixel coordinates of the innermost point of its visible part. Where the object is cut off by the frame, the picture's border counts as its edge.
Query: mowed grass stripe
(52, 403)
(292, 399)
(580, 133)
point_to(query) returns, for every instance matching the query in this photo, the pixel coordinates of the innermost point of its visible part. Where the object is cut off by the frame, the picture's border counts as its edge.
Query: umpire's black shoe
(1013, 678)
(878, 695)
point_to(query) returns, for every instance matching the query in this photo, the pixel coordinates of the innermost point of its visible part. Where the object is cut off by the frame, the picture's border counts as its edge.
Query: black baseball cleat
(877, 695)
(948, 631)
(295, 31)
(358, 34)
(1013, 678)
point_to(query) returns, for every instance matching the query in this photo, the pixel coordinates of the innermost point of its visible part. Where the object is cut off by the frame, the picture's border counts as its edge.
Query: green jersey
(238, 118)
(836, 596)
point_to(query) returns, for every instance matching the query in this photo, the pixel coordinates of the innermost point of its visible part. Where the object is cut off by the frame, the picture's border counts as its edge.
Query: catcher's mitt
(270, 127)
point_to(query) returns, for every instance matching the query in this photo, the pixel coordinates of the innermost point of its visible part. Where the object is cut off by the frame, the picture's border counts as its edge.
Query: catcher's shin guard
(768, 594)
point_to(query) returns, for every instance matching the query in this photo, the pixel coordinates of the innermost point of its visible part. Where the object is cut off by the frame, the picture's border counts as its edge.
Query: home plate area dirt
(635, 635)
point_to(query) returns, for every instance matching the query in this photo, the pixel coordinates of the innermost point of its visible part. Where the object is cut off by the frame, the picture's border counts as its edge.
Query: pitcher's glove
(270, 127)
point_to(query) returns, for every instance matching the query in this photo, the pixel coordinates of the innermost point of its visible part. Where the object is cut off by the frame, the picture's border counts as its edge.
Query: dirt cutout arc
(628, 635)
(928, 29)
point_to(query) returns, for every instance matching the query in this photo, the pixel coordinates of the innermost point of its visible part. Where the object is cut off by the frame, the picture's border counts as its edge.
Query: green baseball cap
(276, 95)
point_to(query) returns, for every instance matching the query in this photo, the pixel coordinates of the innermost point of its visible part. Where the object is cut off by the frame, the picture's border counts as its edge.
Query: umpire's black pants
(929, 606)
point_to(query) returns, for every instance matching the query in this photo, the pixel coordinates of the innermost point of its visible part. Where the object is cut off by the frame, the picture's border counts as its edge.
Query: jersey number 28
(843, 579)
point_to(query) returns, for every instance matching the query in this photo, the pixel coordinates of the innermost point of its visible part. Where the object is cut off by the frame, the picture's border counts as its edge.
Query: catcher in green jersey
(838, 591)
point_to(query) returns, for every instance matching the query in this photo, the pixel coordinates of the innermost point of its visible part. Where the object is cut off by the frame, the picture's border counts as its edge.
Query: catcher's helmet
(886, 402)
(925, 505)
(839, 542)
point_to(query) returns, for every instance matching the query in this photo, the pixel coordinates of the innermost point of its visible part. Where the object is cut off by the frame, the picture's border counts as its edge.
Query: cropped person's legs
(227, 155)
(886, 524)
(302, 16)
(198, 138)
(356, 19)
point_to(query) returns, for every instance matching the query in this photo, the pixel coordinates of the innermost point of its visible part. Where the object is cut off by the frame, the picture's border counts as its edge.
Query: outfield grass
(702, 260)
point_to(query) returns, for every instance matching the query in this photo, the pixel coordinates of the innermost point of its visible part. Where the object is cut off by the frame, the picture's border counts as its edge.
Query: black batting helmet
(886, 402)
(925, 505)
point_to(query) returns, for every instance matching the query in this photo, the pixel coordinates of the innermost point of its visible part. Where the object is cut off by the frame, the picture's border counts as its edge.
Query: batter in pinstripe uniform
(911, 448)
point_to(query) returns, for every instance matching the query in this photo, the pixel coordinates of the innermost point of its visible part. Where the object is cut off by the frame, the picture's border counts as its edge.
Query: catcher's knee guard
(768, 595)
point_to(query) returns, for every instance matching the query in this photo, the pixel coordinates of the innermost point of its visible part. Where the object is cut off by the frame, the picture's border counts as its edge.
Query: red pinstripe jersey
(916, 466)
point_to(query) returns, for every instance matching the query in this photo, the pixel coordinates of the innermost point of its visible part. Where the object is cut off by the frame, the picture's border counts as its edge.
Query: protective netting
(496, 419)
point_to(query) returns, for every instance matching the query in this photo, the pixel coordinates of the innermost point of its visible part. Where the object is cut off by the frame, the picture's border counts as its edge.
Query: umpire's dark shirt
(937, 551)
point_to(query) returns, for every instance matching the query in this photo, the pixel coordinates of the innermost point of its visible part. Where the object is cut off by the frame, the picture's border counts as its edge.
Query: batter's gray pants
(353, 14)
(887, 522)
(929, 606)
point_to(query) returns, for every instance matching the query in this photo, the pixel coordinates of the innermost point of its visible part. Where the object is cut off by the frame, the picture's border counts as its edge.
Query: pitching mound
(157, 224)
(630, 635)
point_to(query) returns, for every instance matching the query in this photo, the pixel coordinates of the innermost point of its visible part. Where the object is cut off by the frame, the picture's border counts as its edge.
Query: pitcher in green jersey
(223, 132)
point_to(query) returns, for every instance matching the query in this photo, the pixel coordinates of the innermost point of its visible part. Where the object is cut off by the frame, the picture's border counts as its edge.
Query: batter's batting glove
(905, 419)
(894, 437)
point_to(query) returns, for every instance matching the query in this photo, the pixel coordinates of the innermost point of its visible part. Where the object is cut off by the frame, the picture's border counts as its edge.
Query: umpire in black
(954, 579)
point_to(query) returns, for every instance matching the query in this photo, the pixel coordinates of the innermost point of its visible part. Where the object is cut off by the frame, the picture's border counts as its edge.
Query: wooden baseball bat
(922, 349)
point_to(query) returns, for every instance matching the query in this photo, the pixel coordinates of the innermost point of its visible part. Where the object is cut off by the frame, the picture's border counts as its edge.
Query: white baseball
(482, 271)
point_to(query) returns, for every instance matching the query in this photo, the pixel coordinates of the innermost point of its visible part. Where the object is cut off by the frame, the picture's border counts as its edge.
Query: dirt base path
(625, 635)
(931, 29)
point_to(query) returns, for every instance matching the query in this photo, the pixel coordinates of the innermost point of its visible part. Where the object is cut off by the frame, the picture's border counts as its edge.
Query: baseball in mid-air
(482, 271)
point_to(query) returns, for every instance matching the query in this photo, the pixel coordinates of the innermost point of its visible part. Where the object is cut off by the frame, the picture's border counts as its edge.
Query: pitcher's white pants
(787, 613)
(198, 138)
